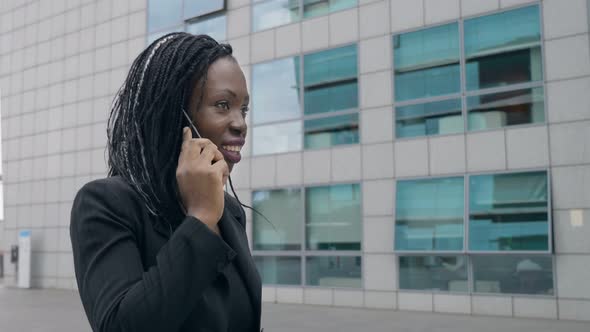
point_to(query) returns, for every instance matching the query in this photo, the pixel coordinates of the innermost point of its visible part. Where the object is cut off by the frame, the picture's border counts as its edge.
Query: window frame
(464, 93)
(466, 252)
(302, 117)
(303, 253)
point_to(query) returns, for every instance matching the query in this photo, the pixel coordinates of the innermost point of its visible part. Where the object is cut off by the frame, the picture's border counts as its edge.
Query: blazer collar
(234, 234)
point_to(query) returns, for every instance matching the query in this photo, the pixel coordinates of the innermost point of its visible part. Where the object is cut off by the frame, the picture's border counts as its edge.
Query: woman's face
(221, 117)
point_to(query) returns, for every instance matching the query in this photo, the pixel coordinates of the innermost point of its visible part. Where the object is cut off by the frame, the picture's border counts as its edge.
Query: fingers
(186, 134)
(221, 168)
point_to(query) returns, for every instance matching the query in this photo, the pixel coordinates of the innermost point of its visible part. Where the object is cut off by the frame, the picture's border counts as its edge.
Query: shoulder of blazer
(235, 209)
(113, 194)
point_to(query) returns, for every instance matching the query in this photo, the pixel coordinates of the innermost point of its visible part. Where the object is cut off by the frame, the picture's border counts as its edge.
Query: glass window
(427, 62)
(275, 91)
(330, 80)
(513, 274)
(282, 230)
(440, 117)
(429, 214)
(194, 8)
(509, 108)
(273, 13)
(439, 273)
(152, 37)
(331, 131)
(312, 8)
(276, 138)
(279, 270)
(333, 217)
(333, 271)
(214, 26)
(509, 212)
(164, 13)
(503, 49)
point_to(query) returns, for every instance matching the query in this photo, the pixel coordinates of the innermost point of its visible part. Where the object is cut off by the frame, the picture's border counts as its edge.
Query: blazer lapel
(235, 236)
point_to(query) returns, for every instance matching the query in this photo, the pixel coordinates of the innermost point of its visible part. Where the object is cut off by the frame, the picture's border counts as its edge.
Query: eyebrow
(233, 94)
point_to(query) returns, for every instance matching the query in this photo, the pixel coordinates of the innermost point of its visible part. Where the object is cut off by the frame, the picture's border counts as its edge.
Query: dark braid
(145, 124)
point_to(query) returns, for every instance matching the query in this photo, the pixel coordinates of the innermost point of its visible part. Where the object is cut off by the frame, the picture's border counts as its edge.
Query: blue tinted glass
(427, 62)
(440, 273)
(332, 97)
(273, 13)
(429, 214)
(513, 274)
(312, 8)
(503, 49)
(333, 65)
(153, 36)
(195, 8)
(506, 109)
(279, 270)
(333, 217)
(164, 13)
(283, 207)
(508, 212)
(331, 131)
(441, 117)
(333, 271)
(275, 91)
(277, 138)
(506, 30)
(213, 26)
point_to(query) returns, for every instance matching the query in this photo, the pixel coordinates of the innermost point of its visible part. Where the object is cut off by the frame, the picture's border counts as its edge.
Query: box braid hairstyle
(145, 125)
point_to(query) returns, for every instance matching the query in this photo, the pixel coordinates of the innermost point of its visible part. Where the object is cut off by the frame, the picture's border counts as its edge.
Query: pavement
(51, 310)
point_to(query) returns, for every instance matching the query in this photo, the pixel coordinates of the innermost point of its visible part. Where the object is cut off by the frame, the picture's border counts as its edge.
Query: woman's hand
(201, 175)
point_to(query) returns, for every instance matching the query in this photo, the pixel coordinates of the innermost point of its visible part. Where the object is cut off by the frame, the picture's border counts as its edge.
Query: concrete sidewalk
(59, 310)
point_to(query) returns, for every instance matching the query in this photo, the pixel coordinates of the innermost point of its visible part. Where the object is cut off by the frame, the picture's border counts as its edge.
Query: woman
(158, 245)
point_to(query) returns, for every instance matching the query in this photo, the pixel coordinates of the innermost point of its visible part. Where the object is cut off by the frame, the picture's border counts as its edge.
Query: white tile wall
(573, 272)
(527, 147)
(344, 27)
(411, 158)
(238, 22)
(415, 301)
(447, 154)
(379, 271)
(437, 11)
(474, 7)
(568, 100)
(378, 197)
(510, 3)
(449, 303)
(560, 20)
(492, 305)
(318, 296)
(316, 166)
(263, 46)
(288, 40)
(348, 298)
(289, 295)
(567, 57)
(346, 163)
(376, 125)
(290, 169)
(570, 187)
(263, 171)
(375, 54)
(375, 89)
(574, 309)
(571, 229)
(374, 20)
(569, 143)
(406, 14)
(380, 300)
(377, 161)
(535, 308)
(315, 33)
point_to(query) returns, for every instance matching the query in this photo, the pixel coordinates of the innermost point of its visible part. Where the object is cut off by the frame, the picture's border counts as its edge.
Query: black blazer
(135, 273)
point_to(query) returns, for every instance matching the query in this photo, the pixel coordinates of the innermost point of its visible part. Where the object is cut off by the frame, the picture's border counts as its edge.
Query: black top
(135, 274)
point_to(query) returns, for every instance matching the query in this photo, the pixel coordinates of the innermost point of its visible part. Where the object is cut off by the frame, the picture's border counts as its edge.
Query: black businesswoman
(158, 244)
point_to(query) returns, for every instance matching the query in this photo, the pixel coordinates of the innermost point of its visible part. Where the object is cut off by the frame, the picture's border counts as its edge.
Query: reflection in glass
(331, 131)
(438, 273)
(273, 13)
(513, 274)
(440, 117)
(509, 212)
(429, 214)
(163, 14)
(509, 108)
(276, 138)
(283, 208)
(194, 8)
(214, 26)
(333, 271)
(503, 49)
(427, 62)
(279, 270)
(275, 91)
(312, 8)
(333, 217)
(342, 95)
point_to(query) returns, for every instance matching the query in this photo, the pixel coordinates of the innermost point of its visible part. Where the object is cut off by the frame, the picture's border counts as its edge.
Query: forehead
(225, 73)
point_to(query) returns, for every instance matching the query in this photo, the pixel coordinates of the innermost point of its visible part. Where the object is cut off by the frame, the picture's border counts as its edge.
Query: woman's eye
(223, 104)
(245, 110)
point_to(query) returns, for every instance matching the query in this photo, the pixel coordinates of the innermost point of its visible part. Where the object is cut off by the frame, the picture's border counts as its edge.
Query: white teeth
(233, 148)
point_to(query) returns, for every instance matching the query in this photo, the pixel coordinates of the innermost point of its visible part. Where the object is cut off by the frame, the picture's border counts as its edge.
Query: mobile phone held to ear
(192, 126)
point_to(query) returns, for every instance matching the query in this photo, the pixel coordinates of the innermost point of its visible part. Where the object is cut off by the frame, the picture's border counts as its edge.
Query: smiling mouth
(232, 148)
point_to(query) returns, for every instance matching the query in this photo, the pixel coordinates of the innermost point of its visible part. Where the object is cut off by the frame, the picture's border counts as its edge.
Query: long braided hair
(146, 120)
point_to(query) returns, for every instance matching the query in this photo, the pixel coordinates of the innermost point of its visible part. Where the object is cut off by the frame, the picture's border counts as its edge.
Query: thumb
(186, 134)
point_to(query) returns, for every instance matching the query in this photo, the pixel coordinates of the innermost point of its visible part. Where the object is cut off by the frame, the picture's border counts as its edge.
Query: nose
(237, 124)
